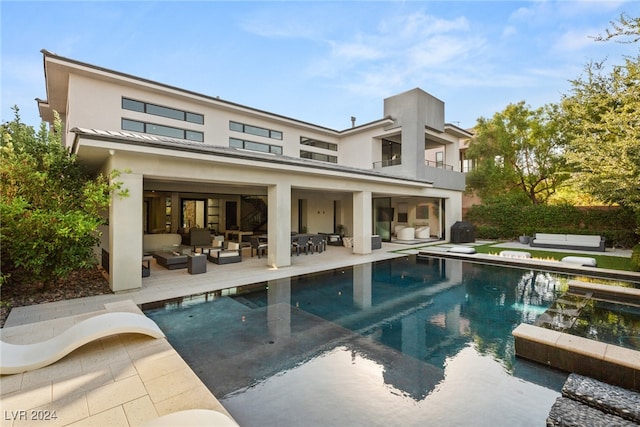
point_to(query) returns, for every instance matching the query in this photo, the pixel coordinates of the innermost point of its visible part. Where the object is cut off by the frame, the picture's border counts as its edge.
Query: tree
(518, 152)
(50, 207)
(626, 27)
(602, 113)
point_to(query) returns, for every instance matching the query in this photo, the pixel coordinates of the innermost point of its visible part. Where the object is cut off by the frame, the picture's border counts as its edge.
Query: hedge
(510, 220)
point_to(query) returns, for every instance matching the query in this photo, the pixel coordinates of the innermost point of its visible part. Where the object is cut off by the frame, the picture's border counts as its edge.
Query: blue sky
(318, 61)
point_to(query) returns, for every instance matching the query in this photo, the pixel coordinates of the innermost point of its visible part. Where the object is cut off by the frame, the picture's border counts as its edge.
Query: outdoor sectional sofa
(568, 241)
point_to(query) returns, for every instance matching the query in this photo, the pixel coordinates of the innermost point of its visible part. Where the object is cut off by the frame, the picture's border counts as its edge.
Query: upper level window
(391, 153)
(161, 130)
(255, 130)
(318, 156)
(318, 144)
(255, 146)
(159, 110)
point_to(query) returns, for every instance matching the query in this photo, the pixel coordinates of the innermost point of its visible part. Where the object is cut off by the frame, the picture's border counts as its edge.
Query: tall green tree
(50, 207)
(602, 113)
(518, 152)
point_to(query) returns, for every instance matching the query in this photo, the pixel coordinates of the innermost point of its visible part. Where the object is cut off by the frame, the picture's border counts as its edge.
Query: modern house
(189, 159)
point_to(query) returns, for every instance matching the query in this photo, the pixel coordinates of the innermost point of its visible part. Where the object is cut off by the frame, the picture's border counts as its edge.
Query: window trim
(185, 132)
(318, 156)
(271, 133)
(278, 148)
(145, 109)
(312, 142)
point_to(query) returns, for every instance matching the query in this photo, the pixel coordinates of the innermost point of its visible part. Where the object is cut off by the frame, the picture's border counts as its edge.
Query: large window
(318, 144)
(391, 153)
(255, 146)
(159, 110)
(161, 130)
(255, 130)
(318, 156)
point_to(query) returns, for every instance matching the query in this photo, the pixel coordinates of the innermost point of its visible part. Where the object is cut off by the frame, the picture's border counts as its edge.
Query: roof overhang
(94, 146)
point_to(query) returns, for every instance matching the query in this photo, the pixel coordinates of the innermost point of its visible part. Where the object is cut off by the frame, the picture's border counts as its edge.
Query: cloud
(396, 54)
(573, 40)
(509, 31)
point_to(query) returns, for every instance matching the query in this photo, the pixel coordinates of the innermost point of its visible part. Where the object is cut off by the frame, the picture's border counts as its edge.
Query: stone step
(605, 397)
(567, 412)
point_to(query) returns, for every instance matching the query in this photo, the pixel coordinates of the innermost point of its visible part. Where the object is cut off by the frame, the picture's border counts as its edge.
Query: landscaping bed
(81, 283)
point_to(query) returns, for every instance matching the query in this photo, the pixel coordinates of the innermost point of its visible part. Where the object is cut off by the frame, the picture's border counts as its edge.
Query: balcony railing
(393, 162)
(440, 165)
(385, 163)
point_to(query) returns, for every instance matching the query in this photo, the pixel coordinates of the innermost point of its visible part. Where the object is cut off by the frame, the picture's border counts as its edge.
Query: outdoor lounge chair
(258, 246)
(193, 417)
(199, 238)
(16, 358)
(227, 256)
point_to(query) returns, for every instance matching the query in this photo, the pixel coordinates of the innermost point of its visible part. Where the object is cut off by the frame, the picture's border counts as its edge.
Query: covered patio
(298, 193)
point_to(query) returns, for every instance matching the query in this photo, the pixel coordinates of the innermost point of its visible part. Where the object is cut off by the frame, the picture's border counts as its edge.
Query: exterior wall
(103, 110)
(359, 149)
(413, 111)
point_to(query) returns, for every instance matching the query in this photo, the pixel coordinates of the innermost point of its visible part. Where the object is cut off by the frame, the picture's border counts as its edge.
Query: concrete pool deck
(128, 380)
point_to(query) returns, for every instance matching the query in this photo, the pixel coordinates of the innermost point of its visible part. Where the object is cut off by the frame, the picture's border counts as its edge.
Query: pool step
(588, 402)
(564, 312)
(567, 412)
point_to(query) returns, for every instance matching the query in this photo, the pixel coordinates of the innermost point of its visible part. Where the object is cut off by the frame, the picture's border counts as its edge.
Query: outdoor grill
(462, 232)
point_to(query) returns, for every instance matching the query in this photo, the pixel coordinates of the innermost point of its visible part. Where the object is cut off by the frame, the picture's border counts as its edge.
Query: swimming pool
(397, 342)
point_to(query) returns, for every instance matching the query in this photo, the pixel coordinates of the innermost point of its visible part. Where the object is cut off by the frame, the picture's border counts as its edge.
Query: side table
(196, 263)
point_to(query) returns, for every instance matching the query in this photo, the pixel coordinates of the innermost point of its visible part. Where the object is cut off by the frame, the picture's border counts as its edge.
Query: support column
(362, 222)
(125, 235)
(279, 225)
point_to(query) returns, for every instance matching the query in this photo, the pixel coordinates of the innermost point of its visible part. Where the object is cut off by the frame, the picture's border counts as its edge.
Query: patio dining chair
(316, 243)
(301, 243)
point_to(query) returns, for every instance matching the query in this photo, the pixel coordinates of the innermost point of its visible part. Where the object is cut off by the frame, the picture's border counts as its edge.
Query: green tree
(602, 113)
(518, 152)
(50, 207)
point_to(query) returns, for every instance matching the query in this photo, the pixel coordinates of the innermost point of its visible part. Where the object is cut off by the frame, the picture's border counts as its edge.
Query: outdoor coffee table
(171, 260)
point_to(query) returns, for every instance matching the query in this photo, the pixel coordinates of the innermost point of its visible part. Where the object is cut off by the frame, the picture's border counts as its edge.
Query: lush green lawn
(603, 261)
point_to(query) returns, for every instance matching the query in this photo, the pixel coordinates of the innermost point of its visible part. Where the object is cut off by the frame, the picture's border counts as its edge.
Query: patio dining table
(229, 233)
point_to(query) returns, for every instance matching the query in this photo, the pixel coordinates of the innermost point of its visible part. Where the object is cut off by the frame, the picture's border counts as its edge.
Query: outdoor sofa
(160, 242)
(568, 241)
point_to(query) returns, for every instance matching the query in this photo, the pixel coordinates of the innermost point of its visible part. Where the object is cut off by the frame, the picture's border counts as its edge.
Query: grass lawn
(603, 261)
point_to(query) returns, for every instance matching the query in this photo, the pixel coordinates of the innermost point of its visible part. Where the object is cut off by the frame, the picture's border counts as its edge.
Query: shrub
(635, 258)
(507, 219)
(50, 208)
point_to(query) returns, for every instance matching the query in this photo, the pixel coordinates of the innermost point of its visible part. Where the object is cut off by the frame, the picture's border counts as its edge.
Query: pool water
(612, 322)
(398, 342)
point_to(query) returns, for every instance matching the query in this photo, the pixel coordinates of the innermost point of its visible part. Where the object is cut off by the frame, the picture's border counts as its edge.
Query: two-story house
(190, 159)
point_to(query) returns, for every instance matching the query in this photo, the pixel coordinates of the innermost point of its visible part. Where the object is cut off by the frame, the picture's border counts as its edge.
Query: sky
(318, 61)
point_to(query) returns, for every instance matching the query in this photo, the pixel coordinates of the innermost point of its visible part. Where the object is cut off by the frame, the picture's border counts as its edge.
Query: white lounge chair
(193, 417)
(16, 358)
